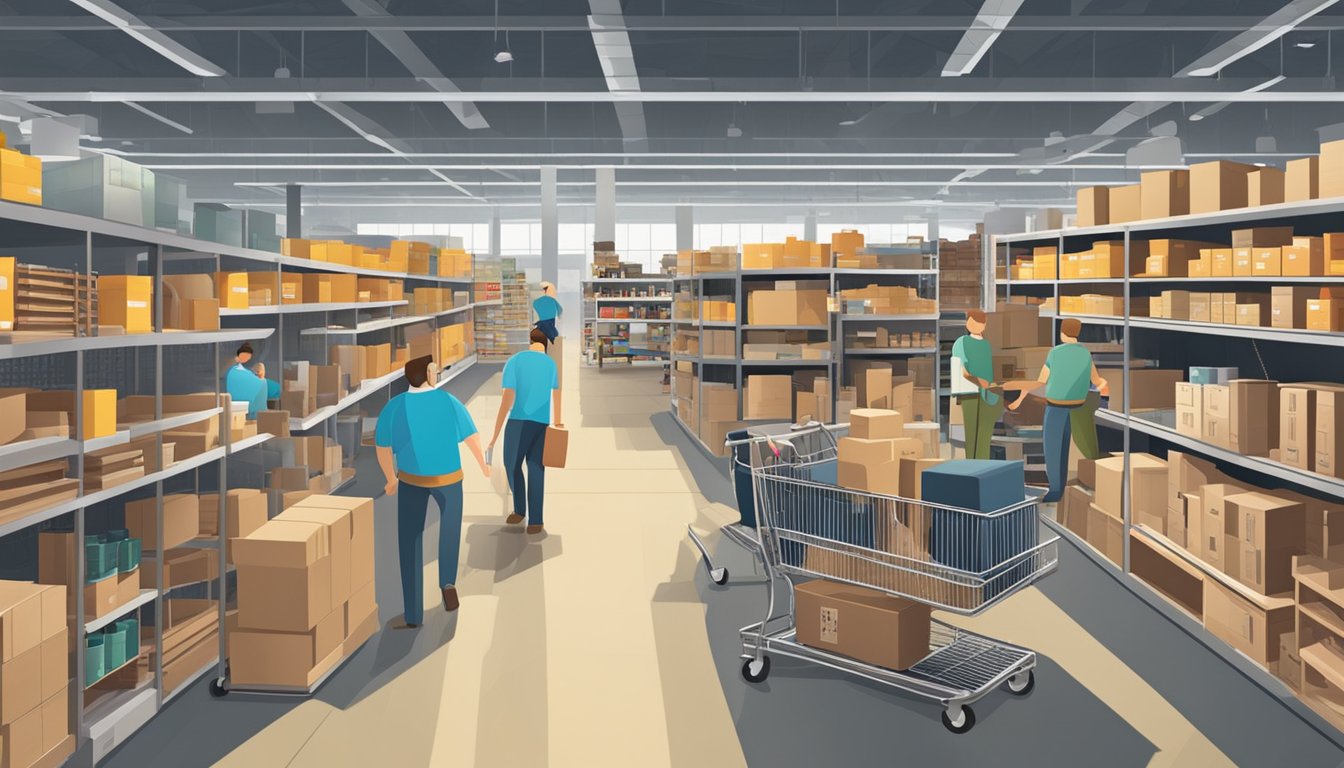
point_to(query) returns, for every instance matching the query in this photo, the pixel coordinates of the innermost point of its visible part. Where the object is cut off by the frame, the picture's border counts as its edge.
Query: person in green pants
(1083, 425)
(972, 382)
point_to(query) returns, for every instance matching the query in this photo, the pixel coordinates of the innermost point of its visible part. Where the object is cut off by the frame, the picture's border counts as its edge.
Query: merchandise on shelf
(886, 300)
(960, 274)
(35, 674)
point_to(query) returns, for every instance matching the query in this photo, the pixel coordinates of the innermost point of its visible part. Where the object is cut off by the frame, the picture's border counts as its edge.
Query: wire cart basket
(955, 560)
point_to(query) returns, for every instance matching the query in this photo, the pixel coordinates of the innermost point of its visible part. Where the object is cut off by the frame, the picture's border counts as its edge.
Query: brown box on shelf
(183, 566)
(1093, 206)
(1332, 169)
(1126, 204)
(1326, 311)
(1329, 443)
(1269, 531)
(1201, 308)
(1302, 180)
(1189, 409)
(1164, 194)
(181, 520)
(1288, 306)
(1243, 262)
(1265, 186)
(1106, 534)
(1214, 525)
(1267, 262)
(1246, 626)
(1216, 428)
(1304, 258)
(273, 422)
(768, 397)
(1254, 412)
(1148, 489)
(1149, 388)
(864, 624)
(1297, 425)
(1219, 185)
(1073, 509)
(1262, 237)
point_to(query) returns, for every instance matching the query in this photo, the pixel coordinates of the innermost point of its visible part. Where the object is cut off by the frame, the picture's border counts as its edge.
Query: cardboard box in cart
(863, 624)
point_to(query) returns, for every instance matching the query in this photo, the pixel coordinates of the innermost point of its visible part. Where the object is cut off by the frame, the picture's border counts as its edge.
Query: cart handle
(797, 430)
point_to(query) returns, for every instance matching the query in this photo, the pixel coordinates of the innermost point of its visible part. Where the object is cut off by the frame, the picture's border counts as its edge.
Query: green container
(128, 555)
(100, 559)
(116, 534)
(114, 647)
(131, 629)
(95, 660)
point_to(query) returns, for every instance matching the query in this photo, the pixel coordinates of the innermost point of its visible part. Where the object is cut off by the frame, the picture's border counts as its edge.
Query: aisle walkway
(583, 647)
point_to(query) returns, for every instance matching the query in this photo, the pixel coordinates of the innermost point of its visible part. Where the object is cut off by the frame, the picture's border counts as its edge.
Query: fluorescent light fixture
(151, 38)
(503, 57)
(1274, 26)
(1217, 107)
(151, 113)
(992, 19)
(734, 132)
(1305, 44)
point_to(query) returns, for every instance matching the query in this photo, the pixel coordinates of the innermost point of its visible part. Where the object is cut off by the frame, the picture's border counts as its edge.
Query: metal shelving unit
(159, 364)
(1308, 218)
(593, 325)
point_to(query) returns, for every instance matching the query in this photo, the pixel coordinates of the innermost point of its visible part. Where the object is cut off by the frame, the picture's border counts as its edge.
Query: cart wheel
(1022, 683)
(719, 576)
(218, 688)
(755, 671)
(964, 722)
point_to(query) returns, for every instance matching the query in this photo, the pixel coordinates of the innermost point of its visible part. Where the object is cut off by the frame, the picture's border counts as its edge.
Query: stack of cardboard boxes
(311, 464)
(790, 254)
(959, 274)
(783, 345)
(1041, 264)
(718, 309)
(305, 593)
(20, 176)
(882, 337)
(35, 684)
(881, 452)
(720, 258)
(886, 300)
(788, 302)
(402, 257)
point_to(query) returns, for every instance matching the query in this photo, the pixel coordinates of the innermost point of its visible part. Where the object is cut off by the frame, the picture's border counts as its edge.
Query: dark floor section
(198, 730)
(806, 715)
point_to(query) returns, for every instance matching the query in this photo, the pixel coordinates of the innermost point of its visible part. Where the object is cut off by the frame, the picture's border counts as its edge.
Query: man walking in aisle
(1067, 375)
(417, 437)
(972, 378)
(531, 389)
(548, 309)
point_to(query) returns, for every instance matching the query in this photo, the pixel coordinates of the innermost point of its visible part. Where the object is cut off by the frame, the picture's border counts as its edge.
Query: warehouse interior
(940, 382)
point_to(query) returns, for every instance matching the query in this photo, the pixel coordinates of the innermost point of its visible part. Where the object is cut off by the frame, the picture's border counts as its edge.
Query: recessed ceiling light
(1195, 118)
(1304, 44)
(734, 132)
(503, 57)
(849, 122)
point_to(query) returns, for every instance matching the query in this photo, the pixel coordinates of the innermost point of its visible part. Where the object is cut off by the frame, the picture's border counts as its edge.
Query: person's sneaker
(450, 602)
(403, 624)
(535, 529)
(513, 519)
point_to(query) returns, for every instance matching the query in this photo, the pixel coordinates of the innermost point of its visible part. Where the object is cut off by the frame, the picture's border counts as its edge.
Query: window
(645, 243)
(475, 237)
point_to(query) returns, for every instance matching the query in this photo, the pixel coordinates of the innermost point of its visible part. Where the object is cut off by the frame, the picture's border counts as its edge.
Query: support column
(810, 227)
(494, 234)
(550, 228)
(293, 211)
(604, 216)
(685, 220)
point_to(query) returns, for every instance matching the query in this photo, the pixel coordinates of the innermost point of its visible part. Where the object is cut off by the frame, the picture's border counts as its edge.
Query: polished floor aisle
(602, 644)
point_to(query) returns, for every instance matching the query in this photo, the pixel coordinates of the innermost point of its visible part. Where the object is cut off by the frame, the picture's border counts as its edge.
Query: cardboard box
(1190, 409)
(1326, 311)
(1304, 258)
(1262, 237)
(1219, 186)
(1217, 425)
(1254, 411)
(1149, 387)
(1329, 441)
(874, 386)
(181, 521)
(1302, 180)
(1148, 489)
(1164, 194)
(1332, 169)
(259, 657)
(875, 424)
(1214, 525)
(183, 566)
(361, 532)
(1265, 186)
(1297, 425)
(338, 524)
(864, 624)
(126, 301)
(1093, 207)
(1267, 262)
(1106, 534)
(1126, 204)
(1288, 306)
(1270, 531)
(768, 397)
(1253, 630)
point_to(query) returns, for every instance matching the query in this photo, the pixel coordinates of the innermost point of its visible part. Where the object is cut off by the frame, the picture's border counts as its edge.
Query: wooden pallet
(57, 301)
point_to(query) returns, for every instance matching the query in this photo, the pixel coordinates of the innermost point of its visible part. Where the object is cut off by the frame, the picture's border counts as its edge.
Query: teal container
(114, 647)
(131, 629)
(128, 555)
(95, 660)
(100, 559)
(116, 534)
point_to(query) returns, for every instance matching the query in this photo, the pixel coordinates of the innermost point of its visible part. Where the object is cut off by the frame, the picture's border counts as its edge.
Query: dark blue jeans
(523, 444)
(1056, 442)
(548, 327)
(412, 504)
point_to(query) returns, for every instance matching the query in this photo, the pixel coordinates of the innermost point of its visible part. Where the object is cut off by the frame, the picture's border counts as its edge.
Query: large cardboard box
(863, 624)
(181, 521)
(1332, 169)
(1255, 631)
(1265, 186)
(1254, 412)
(1304, 258)
(361, 532)
(768, 397)
(1217, 426)
(787, 307)
(1269, 531)
(182, 566)
(1106, 534)
(1126, 204)
(1302, 181)
(1288, 306)
(1297, 425)
(1190, 409)
(1150, 388)
(338, 524)
(1326, 311)
(1214, 525)
(876, 424)
(1219, 186)
(1329, 441)
(1148, 489)
(126, 301)
(1164, 194)
(1093, 207)
(874, 386)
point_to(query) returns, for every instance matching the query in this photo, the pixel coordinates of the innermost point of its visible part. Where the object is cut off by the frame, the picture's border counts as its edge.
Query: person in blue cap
(548, 309)
(417, 441)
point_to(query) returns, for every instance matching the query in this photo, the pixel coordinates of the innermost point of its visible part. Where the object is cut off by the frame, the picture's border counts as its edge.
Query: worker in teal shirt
(531, 389)
(548, 309)
(981, 407)
(246, 386)
(1067, 375)
(417, 437)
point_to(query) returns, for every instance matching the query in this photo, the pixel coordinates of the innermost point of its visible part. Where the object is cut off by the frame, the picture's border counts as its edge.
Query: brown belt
(430, 481)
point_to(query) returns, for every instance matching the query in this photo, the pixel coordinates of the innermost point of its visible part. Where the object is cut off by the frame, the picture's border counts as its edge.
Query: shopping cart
(744, 532)
(956, 560)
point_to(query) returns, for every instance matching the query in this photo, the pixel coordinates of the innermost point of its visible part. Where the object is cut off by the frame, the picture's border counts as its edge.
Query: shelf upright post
(222, 508)
(739, 336)
(1126, 480)
(157, 265)
(81, 566)
(937, 323)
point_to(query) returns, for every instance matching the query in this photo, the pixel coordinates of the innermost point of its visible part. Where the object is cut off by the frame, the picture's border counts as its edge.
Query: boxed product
(1332, 169)
(1093, 207)
(1304, 258)
(181, 520)
(1164, 194)
(1219, 185)
(1329, 435)
(768, 397)
(1265, 186)
(1255, 631)
(1148, 489)
(1254, 414)
(1214, 525)
(1189, 409)
(1150, 388)
(1297, 425)
(1126, 204)
(1269, 531)
(864, 624)
(876, 424)
(1326, 311)
(1288, 306)
(126, 301)
(1302, 180)
(284, 576)
(1217, 426)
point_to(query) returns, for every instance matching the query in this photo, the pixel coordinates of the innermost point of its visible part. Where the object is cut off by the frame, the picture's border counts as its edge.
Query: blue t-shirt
(532, 376)
(546, 307)
(423, 430)
(244, 386)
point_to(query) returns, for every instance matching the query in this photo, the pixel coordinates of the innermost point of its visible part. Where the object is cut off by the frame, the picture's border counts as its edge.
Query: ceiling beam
(1260, 34)
(150, 37)
(988, 24)
(400, 45)
(612, 44)
(672, 23)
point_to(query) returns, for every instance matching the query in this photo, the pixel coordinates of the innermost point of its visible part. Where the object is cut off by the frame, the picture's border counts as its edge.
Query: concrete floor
(603, 643)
